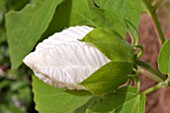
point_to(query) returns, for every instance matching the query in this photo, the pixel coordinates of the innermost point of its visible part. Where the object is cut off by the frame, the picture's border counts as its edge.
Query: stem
(138, 83)
(153, 88)
(157, 4)
(140, 52)
(158, 27)
(152, 12)
(152, 73)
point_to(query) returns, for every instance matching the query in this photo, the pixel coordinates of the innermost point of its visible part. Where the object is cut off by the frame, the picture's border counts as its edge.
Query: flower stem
(152, 13)
(153, 88)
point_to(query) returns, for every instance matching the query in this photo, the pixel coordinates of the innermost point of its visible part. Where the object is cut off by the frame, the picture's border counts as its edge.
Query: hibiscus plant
(81, 59)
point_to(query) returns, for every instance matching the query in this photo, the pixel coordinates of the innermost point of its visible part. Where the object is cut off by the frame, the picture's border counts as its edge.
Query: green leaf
(164, 58)
(108, 78)
(25, 28)
(60, 20)
(83, 108)
(79, 92)
(111, 44)
(144, 9)
(83, 13)
(105, 15)
(107, 19)
(125, 9)
(125, 100)
(16, 4)
(54, 100)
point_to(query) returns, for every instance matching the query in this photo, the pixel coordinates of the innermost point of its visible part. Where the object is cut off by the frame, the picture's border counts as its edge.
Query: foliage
(23, 28)
(29, 14)
(125, 100)
(56, 99)
(28, 20)
(15, 96)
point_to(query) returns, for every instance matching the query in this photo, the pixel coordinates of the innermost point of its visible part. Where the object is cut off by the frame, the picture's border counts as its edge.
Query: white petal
(63, 61)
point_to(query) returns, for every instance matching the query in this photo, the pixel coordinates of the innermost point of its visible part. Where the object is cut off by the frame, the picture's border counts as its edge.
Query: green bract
(111, 44)
(108, 78)
(112, 75)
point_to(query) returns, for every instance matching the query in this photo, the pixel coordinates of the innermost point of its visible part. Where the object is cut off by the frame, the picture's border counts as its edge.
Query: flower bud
(64, 61)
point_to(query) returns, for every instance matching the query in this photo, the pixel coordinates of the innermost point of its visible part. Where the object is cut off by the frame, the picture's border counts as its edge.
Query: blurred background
(15, 85)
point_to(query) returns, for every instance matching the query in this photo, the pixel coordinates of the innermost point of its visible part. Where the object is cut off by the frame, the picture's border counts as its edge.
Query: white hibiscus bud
(63, 61)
